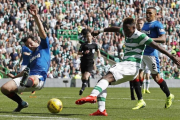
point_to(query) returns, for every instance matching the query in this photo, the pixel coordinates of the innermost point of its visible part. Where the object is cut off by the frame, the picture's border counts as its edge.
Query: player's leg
(100, 86)
(101, 104)
(154, 67)
(164, 88)
(89, 81)
(26, 74)
(85, 77)
(148, 81)
(99, 92)
(144, 84)
(86, 69)
(141, 75)
(137, 87)
(118, 73)
(132, 90)
(21, 69)
(137, 83)
(10, 90)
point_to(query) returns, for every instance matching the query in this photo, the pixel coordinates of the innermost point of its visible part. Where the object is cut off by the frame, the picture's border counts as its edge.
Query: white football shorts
(25, 89)
(147, 71)
(22, 67)
(152, 62)
(124, 71)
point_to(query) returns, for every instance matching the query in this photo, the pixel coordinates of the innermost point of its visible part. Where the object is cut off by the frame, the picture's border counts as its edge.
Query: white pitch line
(128, 99)
(163, 99)
(39, 117)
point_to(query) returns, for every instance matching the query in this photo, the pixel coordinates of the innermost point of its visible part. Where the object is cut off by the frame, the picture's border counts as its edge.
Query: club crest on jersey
(146, 32)
(33, 58)
(130, 40)
(161, 30)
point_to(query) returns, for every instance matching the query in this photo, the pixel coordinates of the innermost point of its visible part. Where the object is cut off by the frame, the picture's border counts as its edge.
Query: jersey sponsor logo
(161, 30)
(93, 50)
(33, 58)
(146, 32)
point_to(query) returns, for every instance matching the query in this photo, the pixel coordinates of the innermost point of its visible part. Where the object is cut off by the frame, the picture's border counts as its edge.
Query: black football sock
(15, 97)
(137, 87)
(164, 87)
(141, 82)
(131, 90)
(84, 84)
(89, 82)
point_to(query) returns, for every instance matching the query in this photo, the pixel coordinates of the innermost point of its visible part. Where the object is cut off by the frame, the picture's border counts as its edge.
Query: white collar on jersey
(133, 34)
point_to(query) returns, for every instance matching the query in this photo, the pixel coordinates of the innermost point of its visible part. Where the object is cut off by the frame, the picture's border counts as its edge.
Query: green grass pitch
(118, 106)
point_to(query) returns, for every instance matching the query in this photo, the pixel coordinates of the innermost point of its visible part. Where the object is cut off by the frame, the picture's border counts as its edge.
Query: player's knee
(5, 89)
(109, 77)
(30, 82)
(156, 77)
(34, 80)
(2, 89)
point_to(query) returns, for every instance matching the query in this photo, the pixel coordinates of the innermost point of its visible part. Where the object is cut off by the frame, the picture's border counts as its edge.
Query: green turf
(118, 106)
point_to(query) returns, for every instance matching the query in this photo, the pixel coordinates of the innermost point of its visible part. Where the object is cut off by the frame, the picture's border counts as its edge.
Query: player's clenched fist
(32, 10)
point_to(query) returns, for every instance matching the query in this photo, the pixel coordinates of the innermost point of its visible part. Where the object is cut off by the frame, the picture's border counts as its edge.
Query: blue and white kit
(152, 29)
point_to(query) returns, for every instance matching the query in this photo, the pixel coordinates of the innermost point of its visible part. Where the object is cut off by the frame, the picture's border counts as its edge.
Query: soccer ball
(54, 105)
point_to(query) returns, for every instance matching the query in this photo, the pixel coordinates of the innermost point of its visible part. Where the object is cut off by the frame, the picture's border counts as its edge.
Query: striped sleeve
(145, 40)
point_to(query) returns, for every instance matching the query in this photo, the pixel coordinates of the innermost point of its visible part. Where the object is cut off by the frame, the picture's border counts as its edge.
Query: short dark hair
(152, 8)
(140, 19)
(24, 39)
(129, 21)
(85, 31)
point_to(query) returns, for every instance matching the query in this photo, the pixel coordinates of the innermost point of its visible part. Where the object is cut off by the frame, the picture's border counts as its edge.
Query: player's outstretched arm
(33, 11)
(176, 60)
(109, 29)
(160, 39)
(112, 29)
(18, 75)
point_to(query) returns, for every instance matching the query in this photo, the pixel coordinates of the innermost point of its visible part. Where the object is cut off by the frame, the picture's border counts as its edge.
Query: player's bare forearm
(42, 32)
(98, 53)
(19, 75)
(161, 49)
(112, 29)
(109, 29)
(161, 39)
(10, 75)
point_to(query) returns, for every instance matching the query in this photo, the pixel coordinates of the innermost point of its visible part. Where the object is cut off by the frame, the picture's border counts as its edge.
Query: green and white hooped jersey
(135, 46)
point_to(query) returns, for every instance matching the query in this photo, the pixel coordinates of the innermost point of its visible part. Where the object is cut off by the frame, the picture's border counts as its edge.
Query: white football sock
(100, 86)
(101, 100)
(144, 84)
(147, 84)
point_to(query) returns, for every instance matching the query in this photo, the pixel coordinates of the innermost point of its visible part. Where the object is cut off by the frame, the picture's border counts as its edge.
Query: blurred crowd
(15, 23)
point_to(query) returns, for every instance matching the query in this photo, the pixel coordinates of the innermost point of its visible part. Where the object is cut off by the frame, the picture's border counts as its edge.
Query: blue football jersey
(152, 29)
(40, 59)
(25, 57)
